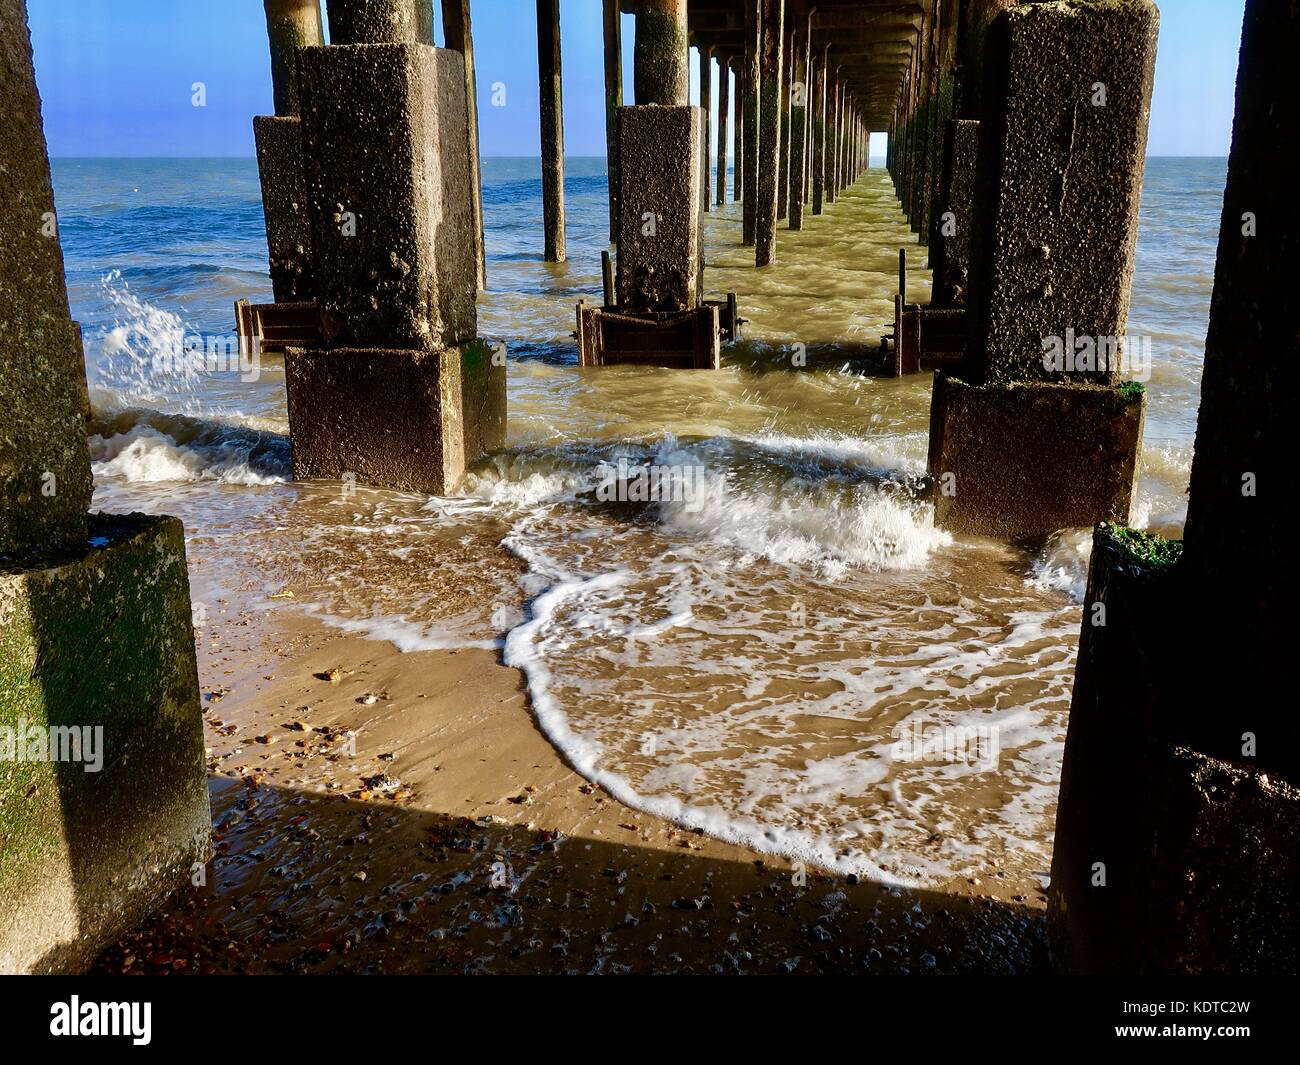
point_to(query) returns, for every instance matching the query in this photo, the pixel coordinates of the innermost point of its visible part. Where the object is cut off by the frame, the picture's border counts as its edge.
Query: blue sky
(116, 76)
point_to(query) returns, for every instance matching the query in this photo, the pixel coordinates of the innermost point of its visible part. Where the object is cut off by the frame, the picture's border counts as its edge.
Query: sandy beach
(380, 811)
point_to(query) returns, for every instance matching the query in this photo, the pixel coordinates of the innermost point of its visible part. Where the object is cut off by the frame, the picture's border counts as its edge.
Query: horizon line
(603, 158)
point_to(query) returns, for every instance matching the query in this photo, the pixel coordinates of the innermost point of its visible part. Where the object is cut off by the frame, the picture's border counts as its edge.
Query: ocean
(793, 657)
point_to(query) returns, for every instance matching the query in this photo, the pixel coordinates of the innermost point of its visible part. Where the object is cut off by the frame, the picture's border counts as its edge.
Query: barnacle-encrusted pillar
(401, 393)
(1035, 431)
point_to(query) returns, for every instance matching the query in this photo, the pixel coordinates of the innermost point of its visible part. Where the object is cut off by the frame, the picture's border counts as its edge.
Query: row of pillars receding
(1017, 149)
(799, 131)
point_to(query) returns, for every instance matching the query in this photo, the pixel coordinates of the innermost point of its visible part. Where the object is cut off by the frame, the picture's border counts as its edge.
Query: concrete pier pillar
(402, 394)
(799, 132)
(103, 786)
(908, 162)
(661, 144)
(1202, 857)
(923, 149)
(783, 157)
(832, 137)
(706, 105)
(551, 96)
(724, 125)
(821, 132)
(661, 54)
(381, 21)
(389, 195)
(1243, 478)
(740, 180)
(752, 81)
(846, 148)
(773, 37)
(945, 82)
(806, 37)
(950, 247)
(290, 25)
(613, 101)
(1030, 438)
(459, 37)
(284, 207)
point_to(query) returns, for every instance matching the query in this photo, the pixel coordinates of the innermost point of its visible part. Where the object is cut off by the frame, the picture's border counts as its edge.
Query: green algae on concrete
(99, 639)
(290, 25)
(1145, 547)
(661, 54)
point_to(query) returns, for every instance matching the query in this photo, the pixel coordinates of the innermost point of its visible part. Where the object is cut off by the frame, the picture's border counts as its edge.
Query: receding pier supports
(551, 95)
(783, 158)
(724, 124)
(832, 137)
(103, 786)
(738, 68)
(1024, 442)
(459, 37)
(821, 133)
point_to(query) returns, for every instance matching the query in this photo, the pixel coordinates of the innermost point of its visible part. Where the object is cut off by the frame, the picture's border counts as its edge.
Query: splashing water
(753, 656)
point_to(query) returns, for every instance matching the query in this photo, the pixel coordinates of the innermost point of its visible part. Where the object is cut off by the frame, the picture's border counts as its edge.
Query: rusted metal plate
(276, 326)
(678, 339)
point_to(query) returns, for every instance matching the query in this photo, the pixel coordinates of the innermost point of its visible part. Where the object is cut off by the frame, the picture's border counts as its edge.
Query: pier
(1017, 178)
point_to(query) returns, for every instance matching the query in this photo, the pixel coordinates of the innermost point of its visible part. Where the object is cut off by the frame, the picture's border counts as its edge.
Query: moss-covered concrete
(290, 25)
(661, 54)
(98, 639)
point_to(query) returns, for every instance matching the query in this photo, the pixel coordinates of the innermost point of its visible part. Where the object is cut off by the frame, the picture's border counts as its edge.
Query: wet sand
(380, 811)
